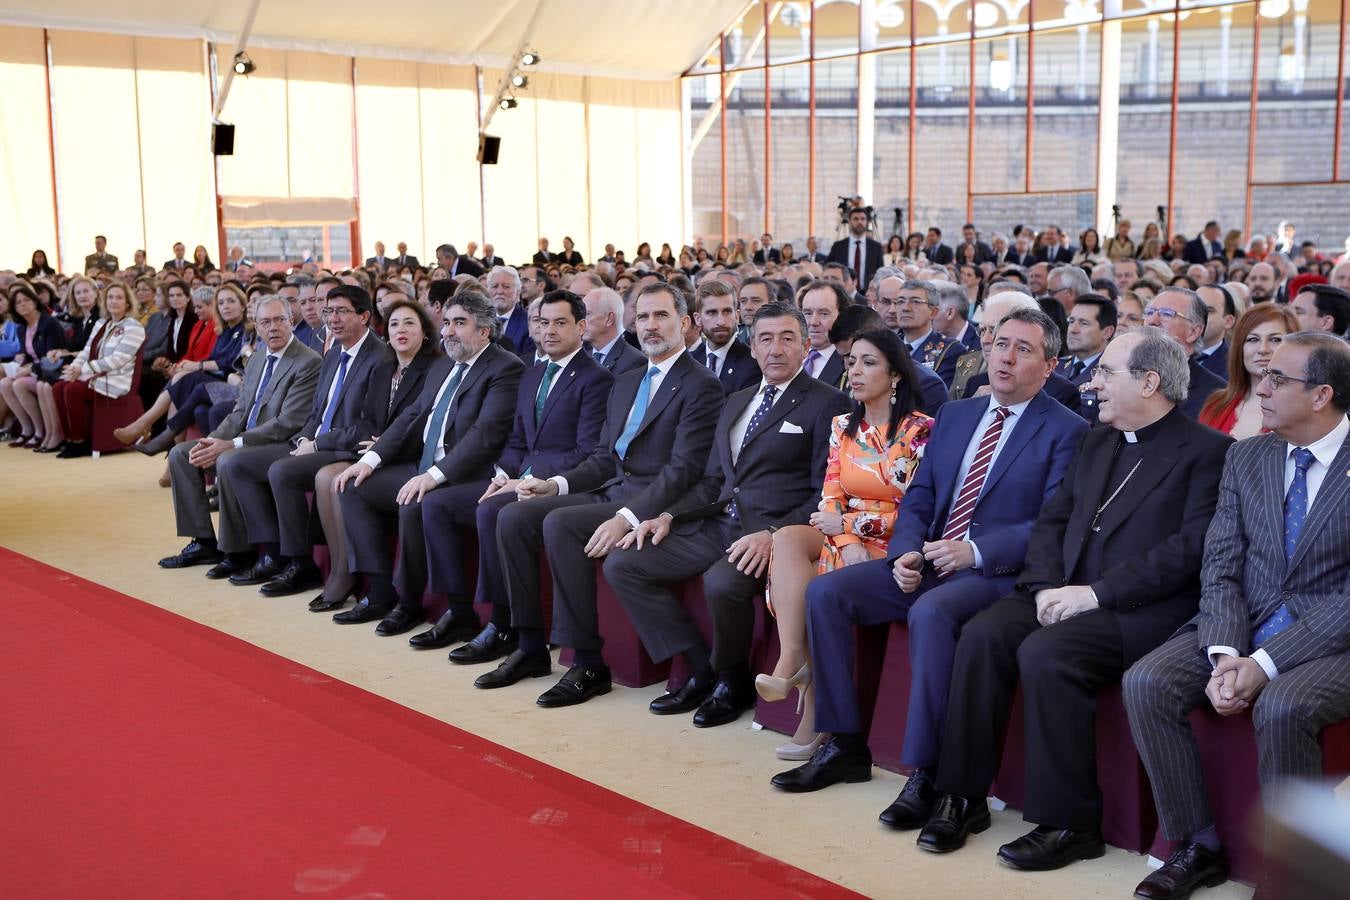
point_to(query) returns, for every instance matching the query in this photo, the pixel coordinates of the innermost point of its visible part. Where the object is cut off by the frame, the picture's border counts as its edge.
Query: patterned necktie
(327, 424)
(262, 392)
(550, 372)
(770, 391)
(963, 509)
(644, 396)
(1295, 512)
(436, 428)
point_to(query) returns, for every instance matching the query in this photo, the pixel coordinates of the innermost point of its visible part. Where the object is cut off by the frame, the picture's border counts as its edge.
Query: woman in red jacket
(1236, 410)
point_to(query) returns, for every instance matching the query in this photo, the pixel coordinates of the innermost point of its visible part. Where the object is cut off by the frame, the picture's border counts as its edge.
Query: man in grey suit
(278, 389)
(1273, 632)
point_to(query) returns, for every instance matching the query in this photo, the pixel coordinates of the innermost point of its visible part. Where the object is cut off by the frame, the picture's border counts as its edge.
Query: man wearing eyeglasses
(1182, 313)
(915, 305)
(1112, 569)
(1273, 631)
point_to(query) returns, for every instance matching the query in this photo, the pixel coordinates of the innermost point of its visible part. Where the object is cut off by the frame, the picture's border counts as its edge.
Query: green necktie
(550, 372)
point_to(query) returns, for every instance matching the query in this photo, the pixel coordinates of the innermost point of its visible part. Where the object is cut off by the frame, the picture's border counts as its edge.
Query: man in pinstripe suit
(1273, 632)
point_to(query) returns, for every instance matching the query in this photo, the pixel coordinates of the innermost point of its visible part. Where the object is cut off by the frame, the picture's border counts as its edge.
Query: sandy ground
(107, 520)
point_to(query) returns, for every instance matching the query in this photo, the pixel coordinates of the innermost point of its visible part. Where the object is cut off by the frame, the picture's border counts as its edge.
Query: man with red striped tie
(959, 542)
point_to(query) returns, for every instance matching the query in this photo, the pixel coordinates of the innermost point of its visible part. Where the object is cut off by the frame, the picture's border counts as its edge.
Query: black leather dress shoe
(194, 554)
(515, 667)
(447, 630)
(953, 819)
(364, 611)
(261, 572)
(690, 695)
(75, 450)
(580, 684)
(319, 604)
(914, 805)
(1190, 867)
(231, 564)
(489, 644)
(830, 764)
(398, 621)
(298, 576)
(1045, 848)
(726, 703)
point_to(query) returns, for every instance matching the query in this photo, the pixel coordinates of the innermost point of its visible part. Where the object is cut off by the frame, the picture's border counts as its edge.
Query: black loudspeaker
(222, 139)
(488, 148)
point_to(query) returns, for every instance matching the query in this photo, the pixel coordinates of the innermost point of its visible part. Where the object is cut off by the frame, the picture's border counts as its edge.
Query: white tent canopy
(612, 38)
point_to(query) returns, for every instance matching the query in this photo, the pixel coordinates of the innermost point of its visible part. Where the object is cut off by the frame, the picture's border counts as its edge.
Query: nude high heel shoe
(773, 688)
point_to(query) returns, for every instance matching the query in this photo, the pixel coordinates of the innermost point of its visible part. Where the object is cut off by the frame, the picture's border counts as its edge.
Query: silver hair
(1157, 351)
(888, 272)
(1032, 315)
(482, 309)
(301, 280)
(509, 270)
(1007, 287)
(954, 297)
(594, 280)
(1070, 277)
(205, 292)
(929, 288)
(608, 300)
(1199, 313)
(265, 299)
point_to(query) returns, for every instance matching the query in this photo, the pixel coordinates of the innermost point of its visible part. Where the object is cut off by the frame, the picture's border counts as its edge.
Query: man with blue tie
(1273, 632)
(453, 433)
(560, 409)
(916, 304)
(604, 334)
(657, 434)
(959, 542)
(1092, 325)
(716, 314)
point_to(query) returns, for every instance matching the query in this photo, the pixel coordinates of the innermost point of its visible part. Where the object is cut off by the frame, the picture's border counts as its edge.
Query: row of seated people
(1018, 545)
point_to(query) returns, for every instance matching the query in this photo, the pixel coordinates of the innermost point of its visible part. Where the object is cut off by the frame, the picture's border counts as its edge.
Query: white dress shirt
(1324, 452)
(662, 370)
(718, 353)
(1016, 413)
(742, 423)
(562, 366)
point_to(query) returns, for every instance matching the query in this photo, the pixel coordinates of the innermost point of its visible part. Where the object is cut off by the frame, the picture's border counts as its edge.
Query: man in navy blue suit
(503, 285)
(1212, 350)
(958, 545)
(560, 409)
(717, 316)
(1205, 245)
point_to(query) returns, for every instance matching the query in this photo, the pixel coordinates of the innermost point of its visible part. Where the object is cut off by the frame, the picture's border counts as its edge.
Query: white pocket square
(789, 428)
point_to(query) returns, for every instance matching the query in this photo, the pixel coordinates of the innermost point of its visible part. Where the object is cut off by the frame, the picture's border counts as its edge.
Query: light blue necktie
(262, 392)
(436, 428)
(327, 424)
(644, 396)
(1295, 512)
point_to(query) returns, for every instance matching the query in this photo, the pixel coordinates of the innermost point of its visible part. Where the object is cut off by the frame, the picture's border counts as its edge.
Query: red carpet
(145, 755)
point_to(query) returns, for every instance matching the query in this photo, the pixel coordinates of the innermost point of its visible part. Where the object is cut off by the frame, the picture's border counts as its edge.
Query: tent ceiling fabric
(615, 38)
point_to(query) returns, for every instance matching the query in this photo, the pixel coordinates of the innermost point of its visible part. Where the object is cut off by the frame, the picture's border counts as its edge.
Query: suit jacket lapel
(563, 382)
(669, 385)
(472, 377)
(792, 394)
(962, 436)
(1022, 434)
(1271, 475)
(283, 366)
(1331, 499)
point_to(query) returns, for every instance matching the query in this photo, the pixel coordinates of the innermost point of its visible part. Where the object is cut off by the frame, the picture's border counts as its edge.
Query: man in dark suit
(272, 481)
(453, 434)
(448, 258)
(952, 319)
(503, 286)
(916, 302)
(1050, 247)
(1092, 325)
(604, 337)
(822, 302)
(541, 256)
(179, 262)
(490, 259)
(273, 404)
(716, 314)
(560, 409)
(767, 252)
(858, 252)
(813, 253)
(1212, 350)
(1273, 630)
(101, 260)
(1183, 315)
(1204, 246)
(958, 544)
(938, 253)
(404, 259)
(983, 252)
(768, 461)
(379, 260)
(658, 430)
(1112, 568)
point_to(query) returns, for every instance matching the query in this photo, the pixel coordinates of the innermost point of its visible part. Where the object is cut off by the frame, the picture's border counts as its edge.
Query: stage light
(508, 103)
(242, 64)
(529, 58)
(520, 81)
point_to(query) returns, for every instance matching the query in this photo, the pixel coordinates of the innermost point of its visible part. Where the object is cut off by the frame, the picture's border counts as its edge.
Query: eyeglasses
(337, 312)
(1279, 379)
(1105, 372)
(1162, 312)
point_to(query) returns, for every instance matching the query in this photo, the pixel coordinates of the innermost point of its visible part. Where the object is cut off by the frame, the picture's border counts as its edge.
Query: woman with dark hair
(201, 261)
(413, 338)
(105, 367)
(38, 265)
(895, 251)
(1151, 233)
(83, 312)
(914, 247)
(1089, 249)
(666, 257)
(1236, 410)
(644, 254)
(874, 452)
(38, 333)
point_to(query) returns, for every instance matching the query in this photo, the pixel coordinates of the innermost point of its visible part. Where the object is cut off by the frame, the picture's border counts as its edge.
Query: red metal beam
(811, 131)
(51, 146)
(970, 119)
(722, 126)
(1031, 89)
(1340, 96)
(912, 175)
(1176, 99)
(768, 158)
(1251, 121)
(354, 237)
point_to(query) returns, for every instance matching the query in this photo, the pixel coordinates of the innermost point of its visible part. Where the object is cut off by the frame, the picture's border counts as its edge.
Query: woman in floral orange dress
(874, 452)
